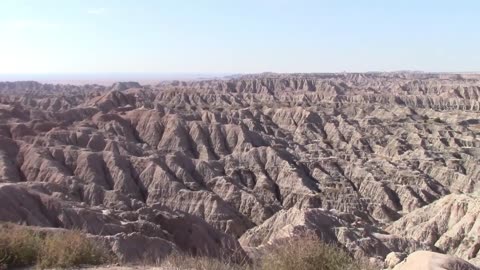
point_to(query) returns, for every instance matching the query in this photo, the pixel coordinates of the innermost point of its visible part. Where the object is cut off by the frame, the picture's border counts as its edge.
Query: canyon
(381, 164)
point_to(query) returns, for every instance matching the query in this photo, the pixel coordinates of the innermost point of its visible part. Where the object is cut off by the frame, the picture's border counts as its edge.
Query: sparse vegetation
(309, 254)
(69, 249)
(18, 246)
(21, 246)
(294, 254)
(184, 261)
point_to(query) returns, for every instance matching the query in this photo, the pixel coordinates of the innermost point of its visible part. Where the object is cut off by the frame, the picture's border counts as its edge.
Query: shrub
(22, 246)
(185, 261)
(308, 254)
(18, 247)
(69, 249)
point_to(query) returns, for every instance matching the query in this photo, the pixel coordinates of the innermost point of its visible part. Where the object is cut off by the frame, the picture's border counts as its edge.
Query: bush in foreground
(69, 249)
(18, 246)
(21, 246)
(293, 254)
(309, 254)
(183, 261)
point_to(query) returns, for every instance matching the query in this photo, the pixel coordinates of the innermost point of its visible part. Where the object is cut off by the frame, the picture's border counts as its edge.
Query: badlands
(384, 165)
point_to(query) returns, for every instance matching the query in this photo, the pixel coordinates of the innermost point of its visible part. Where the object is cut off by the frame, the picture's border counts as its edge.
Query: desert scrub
(18, 246)
(23, 246)
(309, 254)
(185, 261)
(293, 254)
(69, 249)
(226, 259)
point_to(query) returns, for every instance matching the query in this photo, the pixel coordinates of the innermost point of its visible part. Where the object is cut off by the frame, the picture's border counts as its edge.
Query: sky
(249, 36)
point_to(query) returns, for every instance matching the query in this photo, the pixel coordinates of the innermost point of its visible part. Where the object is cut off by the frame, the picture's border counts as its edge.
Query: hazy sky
(78, 36)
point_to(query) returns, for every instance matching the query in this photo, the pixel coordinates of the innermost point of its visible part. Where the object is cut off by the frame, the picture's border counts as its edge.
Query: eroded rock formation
(366, 161)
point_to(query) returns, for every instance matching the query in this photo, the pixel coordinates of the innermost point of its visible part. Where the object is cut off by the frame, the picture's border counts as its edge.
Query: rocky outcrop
(346, 230)
(433, 261)
(451, 224)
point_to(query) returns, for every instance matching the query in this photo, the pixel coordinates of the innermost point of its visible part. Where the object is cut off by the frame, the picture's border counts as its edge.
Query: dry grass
(309, 254)
(21, 246)
(183, 261)
(229, 259)
(18, 247)
(69, 249)
(294, 254)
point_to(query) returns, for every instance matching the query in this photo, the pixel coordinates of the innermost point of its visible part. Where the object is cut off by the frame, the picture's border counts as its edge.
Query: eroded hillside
(362, 160)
